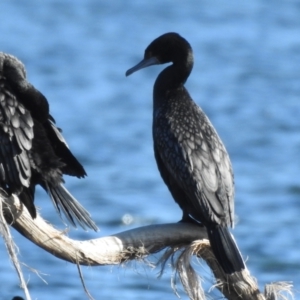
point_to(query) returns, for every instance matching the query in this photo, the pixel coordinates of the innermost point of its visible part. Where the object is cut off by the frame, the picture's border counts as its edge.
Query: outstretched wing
(195, 157)
(16, 134)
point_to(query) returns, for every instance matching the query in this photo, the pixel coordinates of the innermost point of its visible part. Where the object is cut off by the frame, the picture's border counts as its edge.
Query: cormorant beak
(146, 62)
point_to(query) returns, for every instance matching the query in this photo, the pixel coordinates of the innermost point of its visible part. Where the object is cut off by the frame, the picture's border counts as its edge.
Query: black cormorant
(190, 156)
(32, 149)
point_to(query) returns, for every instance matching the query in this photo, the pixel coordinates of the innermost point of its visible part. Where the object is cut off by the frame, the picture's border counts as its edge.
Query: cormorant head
(169, 47)
(12, 69)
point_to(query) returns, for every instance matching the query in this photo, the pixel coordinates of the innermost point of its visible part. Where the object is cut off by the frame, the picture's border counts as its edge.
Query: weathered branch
(108, 250)
(134, 244)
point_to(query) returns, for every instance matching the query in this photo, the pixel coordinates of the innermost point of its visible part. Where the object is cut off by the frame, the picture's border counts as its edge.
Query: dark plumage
(32, 149)
(190, 156)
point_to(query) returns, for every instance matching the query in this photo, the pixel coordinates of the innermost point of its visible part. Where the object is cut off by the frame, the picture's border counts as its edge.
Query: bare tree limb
(136, 244)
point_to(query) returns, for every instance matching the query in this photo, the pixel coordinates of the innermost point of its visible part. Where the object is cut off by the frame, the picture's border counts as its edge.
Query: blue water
(246, 77)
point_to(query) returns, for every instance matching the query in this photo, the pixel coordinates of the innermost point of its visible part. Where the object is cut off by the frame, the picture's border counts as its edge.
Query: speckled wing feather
(16, 134)
(211, 163)
(194, 155)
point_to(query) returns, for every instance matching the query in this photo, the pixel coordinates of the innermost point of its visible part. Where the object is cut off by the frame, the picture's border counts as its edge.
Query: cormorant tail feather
(72, 209)
(225, 249)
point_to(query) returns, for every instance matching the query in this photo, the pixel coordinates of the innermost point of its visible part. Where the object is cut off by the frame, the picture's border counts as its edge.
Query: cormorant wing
(38, 105)
(57, 131)
(16, 134)
(212, 167)
(72, 165)
(196, 158)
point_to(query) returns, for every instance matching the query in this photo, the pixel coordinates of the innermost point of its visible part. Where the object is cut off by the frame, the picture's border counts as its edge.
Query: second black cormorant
(190, 156)
(32, 149)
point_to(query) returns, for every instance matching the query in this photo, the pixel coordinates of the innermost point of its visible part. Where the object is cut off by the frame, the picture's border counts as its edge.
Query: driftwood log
(137, 244)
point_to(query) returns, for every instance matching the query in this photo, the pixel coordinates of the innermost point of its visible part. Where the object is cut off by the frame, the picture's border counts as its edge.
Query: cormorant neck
(175, 75)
